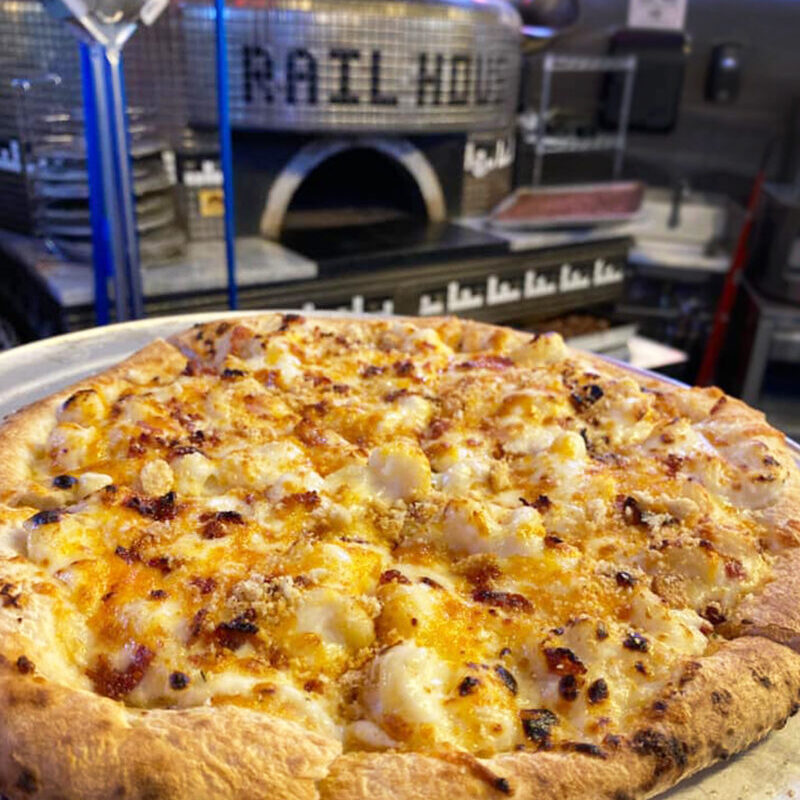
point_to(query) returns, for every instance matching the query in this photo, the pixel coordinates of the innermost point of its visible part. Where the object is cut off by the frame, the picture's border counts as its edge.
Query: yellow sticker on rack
(211, 202)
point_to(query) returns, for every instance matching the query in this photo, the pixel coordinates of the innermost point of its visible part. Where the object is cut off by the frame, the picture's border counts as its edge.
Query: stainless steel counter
(202, 269)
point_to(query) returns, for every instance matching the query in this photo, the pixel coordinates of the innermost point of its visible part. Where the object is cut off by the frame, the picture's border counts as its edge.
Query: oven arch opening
(364, 178)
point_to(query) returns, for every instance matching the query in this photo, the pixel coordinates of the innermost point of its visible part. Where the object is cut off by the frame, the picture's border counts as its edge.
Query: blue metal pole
(226, 152)
(102, 256)
(126, 203)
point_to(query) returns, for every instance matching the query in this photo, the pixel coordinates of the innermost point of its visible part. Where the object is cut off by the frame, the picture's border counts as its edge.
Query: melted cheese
(335, 618)
(401, 470)
(468, 528)
(411, 683)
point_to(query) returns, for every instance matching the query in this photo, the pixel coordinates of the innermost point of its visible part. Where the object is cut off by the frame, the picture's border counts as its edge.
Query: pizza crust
(773, 613)
(465, 335)
(721, 705)
(56, 742)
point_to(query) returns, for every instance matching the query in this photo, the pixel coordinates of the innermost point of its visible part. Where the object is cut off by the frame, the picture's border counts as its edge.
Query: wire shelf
(569, 63)
(546, 145)
(576, 144)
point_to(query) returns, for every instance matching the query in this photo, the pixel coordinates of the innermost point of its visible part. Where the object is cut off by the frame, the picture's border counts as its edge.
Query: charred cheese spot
(82, 408)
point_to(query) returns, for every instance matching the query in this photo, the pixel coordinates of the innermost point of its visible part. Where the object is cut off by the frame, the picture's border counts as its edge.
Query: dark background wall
(715, 146)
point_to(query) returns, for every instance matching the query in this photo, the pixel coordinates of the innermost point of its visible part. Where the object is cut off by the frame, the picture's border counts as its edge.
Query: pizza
(339, 558)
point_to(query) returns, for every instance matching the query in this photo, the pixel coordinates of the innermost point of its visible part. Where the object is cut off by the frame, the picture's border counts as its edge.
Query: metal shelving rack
(545, 144)
(103, 27)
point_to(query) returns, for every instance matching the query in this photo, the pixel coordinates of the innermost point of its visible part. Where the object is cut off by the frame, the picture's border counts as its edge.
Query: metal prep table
(491, 281)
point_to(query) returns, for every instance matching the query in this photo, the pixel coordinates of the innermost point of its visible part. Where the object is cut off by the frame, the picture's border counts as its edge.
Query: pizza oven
(351, 112)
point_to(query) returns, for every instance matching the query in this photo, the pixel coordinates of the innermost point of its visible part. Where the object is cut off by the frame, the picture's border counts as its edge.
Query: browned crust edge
(61, 743)
(721, 705)
(773, 613)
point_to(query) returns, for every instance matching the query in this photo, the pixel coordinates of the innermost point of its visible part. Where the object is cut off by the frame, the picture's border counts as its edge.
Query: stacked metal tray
(60, 187)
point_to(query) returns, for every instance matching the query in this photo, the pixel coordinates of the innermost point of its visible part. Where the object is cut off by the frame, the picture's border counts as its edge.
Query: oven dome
(358, 65)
